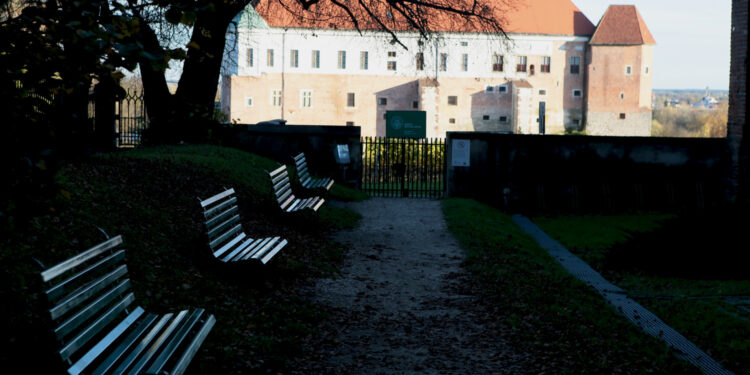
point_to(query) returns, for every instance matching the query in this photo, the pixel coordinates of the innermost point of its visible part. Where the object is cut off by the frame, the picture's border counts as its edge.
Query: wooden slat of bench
(64, 287)
(171, 347)
(210, 212)
(320, 203)
(79, 259)
(281, 177)
(76, 343)
(220, 215)
(239, 249)
(224, 237)
(224, 227)
(104, 343)
(290, 200)
(217, 197)
(294, 205)
(189, 353)
(91, 309)
(157, 344)
(260, 250)
(273, 252)
(299, 156)
(277, 171)
(250, 249)
(284, 193)
(143, 344)
(229, 245)
(86, 292)
(329, 184)
(126, 344)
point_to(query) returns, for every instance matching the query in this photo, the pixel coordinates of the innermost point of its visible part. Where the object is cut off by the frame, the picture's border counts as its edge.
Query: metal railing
(403, 167)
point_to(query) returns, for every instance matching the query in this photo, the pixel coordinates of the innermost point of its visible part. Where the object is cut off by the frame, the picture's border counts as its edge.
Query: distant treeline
(690, 122)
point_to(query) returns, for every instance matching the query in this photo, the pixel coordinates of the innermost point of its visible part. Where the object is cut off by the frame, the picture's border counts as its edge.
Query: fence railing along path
(403, 167)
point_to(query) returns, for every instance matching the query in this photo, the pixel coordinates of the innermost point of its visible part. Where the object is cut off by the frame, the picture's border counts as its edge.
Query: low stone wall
(635, 124)
(282, 143)
(589, 174)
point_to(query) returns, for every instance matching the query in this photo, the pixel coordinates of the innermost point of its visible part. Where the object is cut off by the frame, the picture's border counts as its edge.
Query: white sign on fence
(461, 151)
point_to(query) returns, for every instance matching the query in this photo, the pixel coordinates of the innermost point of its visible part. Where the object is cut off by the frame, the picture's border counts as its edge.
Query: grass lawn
(711, 310)
(565, 325)
(150, 197)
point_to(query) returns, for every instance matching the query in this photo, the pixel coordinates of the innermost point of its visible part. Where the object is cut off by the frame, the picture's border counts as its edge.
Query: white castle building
(317, 72)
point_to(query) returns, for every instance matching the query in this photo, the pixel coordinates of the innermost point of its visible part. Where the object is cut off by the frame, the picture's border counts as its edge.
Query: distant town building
(707, 101)
(317, 71)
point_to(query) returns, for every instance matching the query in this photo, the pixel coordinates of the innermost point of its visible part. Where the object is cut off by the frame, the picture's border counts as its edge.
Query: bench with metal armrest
(98, 330)
(227, 240)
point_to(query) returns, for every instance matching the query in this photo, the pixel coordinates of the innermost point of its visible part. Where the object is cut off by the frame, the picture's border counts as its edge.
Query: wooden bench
(227, 240)
(98, 331)
(304, 175)
(282, 190)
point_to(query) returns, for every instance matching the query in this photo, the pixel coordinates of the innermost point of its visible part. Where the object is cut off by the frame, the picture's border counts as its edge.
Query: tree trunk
(188, 113)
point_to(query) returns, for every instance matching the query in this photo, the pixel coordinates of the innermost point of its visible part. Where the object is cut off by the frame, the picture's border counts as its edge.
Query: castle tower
(620, 67)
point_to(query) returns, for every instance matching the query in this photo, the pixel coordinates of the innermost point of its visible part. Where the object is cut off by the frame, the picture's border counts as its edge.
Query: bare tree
(177, 115)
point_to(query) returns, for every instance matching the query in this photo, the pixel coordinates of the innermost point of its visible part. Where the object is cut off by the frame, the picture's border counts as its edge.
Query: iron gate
(130, 119)
(403, 167)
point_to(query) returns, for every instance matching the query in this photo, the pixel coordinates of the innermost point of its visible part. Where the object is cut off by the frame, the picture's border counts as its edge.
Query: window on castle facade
(502, 89)
(269, 57)
(350, 99)
(453, 100)
(575, 64)
(577, 93)
(420, 61)
(497, 63)
(276, 98)
(294, 58)
(316, 59)
(503, 119)
(391, 53)
(628, 70)
(342, 60)
(391, 65)
(521, 64)
(363, 60)
(465, 62)
(250, 60)
(305, 98)
(546, 64)
(443, 62)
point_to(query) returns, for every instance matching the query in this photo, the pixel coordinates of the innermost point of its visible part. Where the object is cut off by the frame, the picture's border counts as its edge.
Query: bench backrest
(90, 294)
(301, 164)
(282, 189)
(222, 220)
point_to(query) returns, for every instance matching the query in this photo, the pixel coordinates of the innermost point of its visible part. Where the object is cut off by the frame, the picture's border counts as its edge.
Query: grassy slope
(565, 324)
(149, 197)
(714, 325)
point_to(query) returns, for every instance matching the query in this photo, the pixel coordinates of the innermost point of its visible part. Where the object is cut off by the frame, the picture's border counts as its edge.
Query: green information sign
(405, 124)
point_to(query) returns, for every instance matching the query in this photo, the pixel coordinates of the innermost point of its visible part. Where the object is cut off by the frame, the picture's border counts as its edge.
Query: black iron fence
(131, 119)
(403, 167)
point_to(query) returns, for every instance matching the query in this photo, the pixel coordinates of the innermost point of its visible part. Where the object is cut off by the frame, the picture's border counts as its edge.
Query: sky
(692, 39)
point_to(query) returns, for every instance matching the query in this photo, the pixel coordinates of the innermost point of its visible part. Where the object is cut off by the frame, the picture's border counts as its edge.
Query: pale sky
(692, 39)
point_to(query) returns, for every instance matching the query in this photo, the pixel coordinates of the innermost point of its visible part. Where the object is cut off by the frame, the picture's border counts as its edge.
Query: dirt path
(403, 304)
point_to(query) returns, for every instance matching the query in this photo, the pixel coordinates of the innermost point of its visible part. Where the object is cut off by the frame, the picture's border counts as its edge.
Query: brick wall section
(739, 175)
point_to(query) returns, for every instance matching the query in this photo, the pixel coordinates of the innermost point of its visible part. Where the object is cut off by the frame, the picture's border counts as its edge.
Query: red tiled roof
(622, 25)
(558, 17)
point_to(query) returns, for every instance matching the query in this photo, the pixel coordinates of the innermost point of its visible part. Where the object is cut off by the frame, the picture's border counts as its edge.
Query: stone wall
(282, 143)
(555, 173)
(634, 124)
